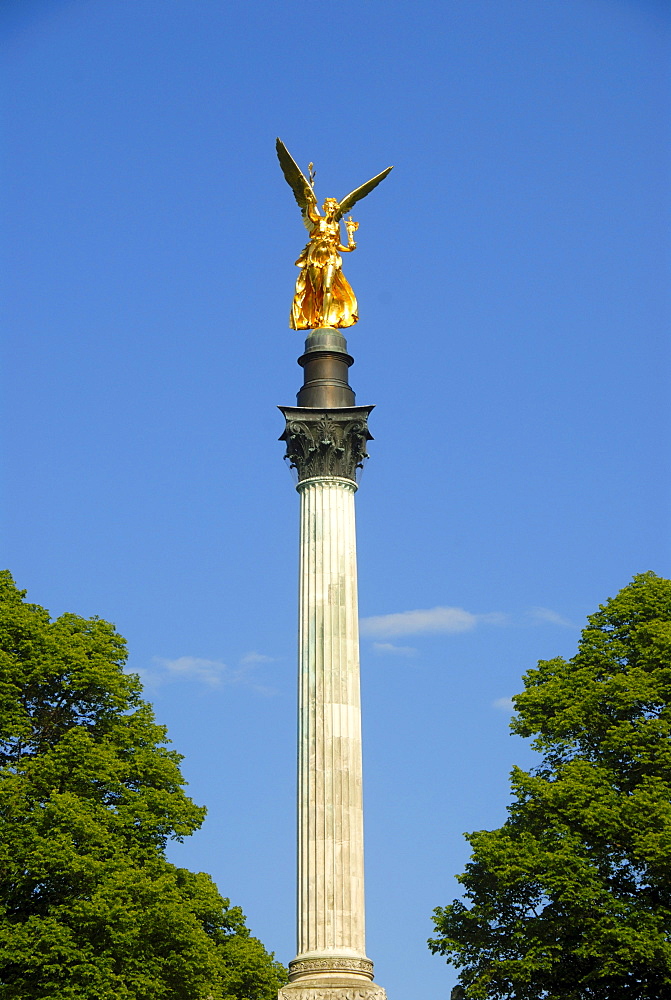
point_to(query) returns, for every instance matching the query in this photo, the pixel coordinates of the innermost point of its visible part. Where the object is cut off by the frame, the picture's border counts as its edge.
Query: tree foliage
(571, 897)
(89, 796)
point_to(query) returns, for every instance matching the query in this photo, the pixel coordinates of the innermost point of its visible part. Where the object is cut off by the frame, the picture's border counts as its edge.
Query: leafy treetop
(571, 897)
(89, 796)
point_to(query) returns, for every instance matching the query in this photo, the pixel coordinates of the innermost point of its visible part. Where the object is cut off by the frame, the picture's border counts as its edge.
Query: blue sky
(512, 277)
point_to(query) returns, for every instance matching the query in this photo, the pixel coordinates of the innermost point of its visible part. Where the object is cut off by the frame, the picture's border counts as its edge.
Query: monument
(326, 436)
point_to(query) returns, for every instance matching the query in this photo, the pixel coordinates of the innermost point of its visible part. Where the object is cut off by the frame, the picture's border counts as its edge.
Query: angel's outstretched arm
(311, 212)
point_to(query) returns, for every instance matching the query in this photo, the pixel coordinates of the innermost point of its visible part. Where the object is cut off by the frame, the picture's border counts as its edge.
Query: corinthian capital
(326, 442)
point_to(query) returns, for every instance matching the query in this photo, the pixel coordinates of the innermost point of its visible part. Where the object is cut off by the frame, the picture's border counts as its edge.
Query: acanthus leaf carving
(326, 442)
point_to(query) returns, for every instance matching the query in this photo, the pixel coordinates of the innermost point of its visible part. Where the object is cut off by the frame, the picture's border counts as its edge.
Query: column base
(331, 977)
(319, 966)
(332, 988)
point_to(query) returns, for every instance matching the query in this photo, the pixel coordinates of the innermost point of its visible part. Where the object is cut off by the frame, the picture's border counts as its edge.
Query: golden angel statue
(323, 296)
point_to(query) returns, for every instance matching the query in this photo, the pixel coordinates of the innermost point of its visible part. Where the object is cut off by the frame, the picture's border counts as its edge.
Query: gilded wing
(298, 183)
(347, 203)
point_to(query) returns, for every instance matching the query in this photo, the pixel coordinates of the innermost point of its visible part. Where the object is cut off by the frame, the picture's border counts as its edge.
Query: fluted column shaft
(330, 808)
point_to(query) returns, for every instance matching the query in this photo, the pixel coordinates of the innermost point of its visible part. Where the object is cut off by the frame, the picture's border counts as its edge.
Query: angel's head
(330, 207)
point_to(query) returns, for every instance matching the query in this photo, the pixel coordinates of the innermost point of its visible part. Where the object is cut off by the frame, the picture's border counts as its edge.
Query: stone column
(326, 445)
(330, 819)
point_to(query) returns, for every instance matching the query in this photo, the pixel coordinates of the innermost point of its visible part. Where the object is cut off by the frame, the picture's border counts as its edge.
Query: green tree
(89, 796)
(571, 897)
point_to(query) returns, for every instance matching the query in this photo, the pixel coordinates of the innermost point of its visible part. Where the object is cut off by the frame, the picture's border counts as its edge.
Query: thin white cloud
(551, 617)
(211, 673)
(494, 618)
(390, 647)
(440, 619)
(504, 704)
(414, 622)
(255, 657)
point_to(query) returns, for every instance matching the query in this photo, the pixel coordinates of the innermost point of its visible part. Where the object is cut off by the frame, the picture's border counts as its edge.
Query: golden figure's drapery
(321, 273)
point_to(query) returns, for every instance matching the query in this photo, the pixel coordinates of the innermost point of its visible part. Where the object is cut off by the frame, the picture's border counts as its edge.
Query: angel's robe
(320, 260)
